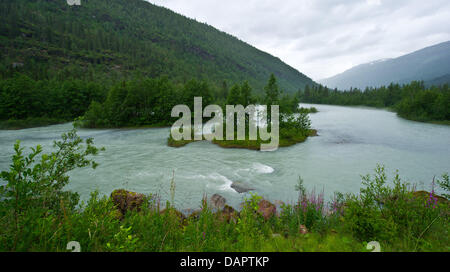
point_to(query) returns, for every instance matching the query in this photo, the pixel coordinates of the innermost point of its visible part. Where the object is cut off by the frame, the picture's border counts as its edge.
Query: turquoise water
(351, 142)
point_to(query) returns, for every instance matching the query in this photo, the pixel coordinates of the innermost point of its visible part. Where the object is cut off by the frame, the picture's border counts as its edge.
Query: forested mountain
(431, 64)
(111, 40)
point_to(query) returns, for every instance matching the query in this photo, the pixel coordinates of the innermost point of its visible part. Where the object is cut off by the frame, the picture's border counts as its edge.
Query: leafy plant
(124, 241)
(34, 188)
(444, 183)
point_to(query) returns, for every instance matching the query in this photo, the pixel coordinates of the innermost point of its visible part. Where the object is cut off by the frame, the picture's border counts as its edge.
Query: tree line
(149, 101)
(22, 97)
(137, 102)
(413, 101)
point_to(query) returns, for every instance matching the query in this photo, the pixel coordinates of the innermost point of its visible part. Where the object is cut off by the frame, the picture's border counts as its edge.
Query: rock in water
(218, 201)
(241, 187)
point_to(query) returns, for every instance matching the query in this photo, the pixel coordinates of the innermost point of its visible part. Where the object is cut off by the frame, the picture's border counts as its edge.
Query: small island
(287, 138)
(293, 128)
(294, 125)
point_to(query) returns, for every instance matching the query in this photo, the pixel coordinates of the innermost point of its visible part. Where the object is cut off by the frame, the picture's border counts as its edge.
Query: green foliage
(36, 102)
(94, 224)
(29, 122)
(411, 101)
(234, 96)
(444, 183)
(124, 241)
(34, 189)
(272, 91)
(119, 42)
(246, 94)
(140, 102)
(392, 214)
(299, 122)
(250, 221)
(425, 104)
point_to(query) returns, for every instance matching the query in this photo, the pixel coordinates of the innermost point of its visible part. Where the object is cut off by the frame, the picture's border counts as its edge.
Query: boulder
(127, 201)
(229, 214)
(218, 201)
(194, 215)
(266, 209)
(182, 218)
(241, 187)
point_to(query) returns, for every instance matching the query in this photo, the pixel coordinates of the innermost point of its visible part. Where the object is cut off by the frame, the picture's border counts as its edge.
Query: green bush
(392, 214)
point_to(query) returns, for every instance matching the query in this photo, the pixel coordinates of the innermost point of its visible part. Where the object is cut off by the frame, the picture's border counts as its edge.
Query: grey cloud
(323, 37)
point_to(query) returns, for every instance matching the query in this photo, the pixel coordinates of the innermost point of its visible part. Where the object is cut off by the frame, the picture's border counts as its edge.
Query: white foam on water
(262, 168)
(227, 183)
(215, 178)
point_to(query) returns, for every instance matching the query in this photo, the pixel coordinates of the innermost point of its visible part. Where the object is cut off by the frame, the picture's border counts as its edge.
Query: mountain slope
(426, 64)
(116, 39)
(445, 79)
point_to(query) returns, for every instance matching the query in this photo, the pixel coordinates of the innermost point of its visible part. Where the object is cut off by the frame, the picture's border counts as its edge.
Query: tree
(272, 91)
(195, 88)
(224, 90)
(246, 94)
(307, 94)
(234, 96)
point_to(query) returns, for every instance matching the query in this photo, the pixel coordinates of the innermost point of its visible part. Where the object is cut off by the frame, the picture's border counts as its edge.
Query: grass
(345, 224)
(97, 227)
(440, 122)
(445, 122)
(308, 110)
(287, 138)
(13, 124)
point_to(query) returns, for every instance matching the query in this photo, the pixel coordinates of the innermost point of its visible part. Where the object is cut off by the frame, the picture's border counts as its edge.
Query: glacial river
(351, 141)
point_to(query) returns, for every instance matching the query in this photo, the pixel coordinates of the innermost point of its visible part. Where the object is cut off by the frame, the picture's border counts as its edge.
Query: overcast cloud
(322, 38)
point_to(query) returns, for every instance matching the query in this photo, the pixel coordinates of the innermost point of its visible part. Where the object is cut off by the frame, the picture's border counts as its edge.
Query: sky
(322, 38)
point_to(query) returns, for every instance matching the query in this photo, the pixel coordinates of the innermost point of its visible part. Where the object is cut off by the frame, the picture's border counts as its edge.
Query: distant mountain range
(431, 64)
(118, 39)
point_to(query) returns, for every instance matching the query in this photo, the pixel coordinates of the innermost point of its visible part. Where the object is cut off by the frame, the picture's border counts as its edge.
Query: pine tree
(246, 94)
(234, 96)
(272, 91)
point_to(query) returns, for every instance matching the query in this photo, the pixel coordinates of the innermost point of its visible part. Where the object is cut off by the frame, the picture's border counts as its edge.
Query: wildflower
(432, 200)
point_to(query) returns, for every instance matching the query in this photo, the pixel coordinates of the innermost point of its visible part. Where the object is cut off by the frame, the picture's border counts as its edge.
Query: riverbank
(132, 222)
(394, 109)
(15, 124)
(287, 138)
(436, 122)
